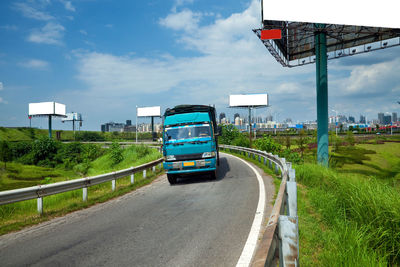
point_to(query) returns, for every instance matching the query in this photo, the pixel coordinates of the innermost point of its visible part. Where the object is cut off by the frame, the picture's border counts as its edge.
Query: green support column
(152, 128)
(322, 94)
(250, 139)
(50, 126)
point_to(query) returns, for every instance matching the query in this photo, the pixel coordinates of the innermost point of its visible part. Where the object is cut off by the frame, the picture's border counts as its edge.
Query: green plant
(266, 143)
(44, 150)
(229, 133)
(350, 138)
(116, 154)
(5, 153)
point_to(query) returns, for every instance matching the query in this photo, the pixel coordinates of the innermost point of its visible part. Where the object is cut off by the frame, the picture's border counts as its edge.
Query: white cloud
(179, 3)
(185, 20)
(9, 27)
(51, 33)
(35, 64)
(229, 59)
(68, 6)
(83, 32)
(109, 25)
(1, 86)
(2, 101)
(32, 12)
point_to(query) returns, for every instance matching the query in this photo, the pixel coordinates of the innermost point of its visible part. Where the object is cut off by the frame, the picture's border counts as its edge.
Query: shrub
(5, 152)
(228, 134)
(241, 140)
(89, 136)
(20, 149)
(267, 144)
(44, 150)
(116, 154)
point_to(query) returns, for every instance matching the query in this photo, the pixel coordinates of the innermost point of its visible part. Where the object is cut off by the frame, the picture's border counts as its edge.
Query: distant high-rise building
(235, 116)
(362, 119)
(128, 122)
(270, 118)
(221, 116)
(380, 118)
(352, 119)
(387, 119)
(394, 116)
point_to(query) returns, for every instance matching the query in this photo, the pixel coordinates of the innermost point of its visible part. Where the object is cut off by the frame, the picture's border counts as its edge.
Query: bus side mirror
(219, 130)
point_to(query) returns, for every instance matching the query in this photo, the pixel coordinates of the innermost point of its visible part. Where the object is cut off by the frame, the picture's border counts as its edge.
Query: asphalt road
(198, 222)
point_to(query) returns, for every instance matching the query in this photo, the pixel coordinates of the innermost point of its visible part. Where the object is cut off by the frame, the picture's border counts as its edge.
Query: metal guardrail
(281, 236)
(40, 191)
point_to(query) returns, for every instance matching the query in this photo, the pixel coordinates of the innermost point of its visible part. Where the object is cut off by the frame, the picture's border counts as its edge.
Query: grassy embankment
(29, 134)
(349, 214)
(18, 215)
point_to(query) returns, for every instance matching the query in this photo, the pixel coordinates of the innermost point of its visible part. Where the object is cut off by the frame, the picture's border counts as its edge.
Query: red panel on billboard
(271, 34)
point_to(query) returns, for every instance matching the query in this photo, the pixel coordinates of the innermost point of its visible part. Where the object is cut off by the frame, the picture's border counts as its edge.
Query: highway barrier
(41, 191)
(280, 241)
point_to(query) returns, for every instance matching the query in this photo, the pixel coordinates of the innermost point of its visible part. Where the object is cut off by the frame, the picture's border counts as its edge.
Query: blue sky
(102, 58)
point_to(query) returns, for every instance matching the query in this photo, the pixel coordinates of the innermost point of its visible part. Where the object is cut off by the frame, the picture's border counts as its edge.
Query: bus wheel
(171, 179)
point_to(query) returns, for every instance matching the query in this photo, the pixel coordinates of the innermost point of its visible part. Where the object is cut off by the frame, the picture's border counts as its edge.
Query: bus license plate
(187, 164)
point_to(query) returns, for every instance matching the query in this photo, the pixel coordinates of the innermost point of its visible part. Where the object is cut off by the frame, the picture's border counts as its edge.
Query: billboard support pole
(250, 126)
(322, 94)
(136, 125)
(49, 126)
(152, 128)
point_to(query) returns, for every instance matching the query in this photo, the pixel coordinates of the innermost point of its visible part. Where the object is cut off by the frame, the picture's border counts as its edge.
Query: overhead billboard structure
(248, 100)
(313, 33)
(47, 109)
(73, 116)
(148, 112)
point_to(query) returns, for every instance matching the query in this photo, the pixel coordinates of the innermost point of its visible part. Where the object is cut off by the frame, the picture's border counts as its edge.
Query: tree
(302, 141)
(5, 152)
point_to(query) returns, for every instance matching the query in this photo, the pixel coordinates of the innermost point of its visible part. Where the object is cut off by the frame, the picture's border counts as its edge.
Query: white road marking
(251, 243)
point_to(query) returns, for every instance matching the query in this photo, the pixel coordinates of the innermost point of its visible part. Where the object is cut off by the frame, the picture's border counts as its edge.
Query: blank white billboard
(149, 112)
(72, 116)
(248, 100)
(46, 108)
(350, 12)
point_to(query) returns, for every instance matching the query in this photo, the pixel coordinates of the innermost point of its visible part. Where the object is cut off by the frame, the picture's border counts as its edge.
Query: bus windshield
(187, 132)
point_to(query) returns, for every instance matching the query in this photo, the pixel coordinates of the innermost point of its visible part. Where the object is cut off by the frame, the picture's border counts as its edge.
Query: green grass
(17, 175)
(345, 220)
(15, 216)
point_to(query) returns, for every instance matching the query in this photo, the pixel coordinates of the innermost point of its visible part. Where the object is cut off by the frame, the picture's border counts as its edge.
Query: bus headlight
(170, 158)
(208, 155)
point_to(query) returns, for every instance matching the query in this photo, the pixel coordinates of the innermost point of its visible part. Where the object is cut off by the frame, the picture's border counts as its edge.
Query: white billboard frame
(375, 14)
(154, 111)
(46, 109)
(248, 100)
(72, 116)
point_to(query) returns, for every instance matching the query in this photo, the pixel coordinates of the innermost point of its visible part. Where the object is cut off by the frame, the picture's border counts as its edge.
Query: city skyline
(102, 60)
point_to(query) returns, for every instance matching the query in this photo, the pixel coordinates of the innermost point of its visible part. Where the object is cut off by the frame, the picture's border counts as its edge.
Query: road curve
(198, 222)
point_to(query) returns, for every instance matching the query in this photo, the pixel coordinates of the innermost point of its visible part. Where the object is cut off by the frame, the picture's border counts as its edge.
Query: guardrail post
(84, 194)
(132, 178)
(154, 168)
(265, 160)
(113, 185)
(292, 175)
(160, 166)
(291, 189)
(40, 205)
(276, 168)
(269, 164)
(289, 245)
(259, 158)
(144, 173)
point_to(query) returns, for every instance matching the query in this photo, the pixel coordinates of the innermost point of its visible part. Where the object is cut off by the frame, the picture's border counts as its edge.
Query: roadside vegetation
(349, 213)
(43, 161)
(31, 134)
